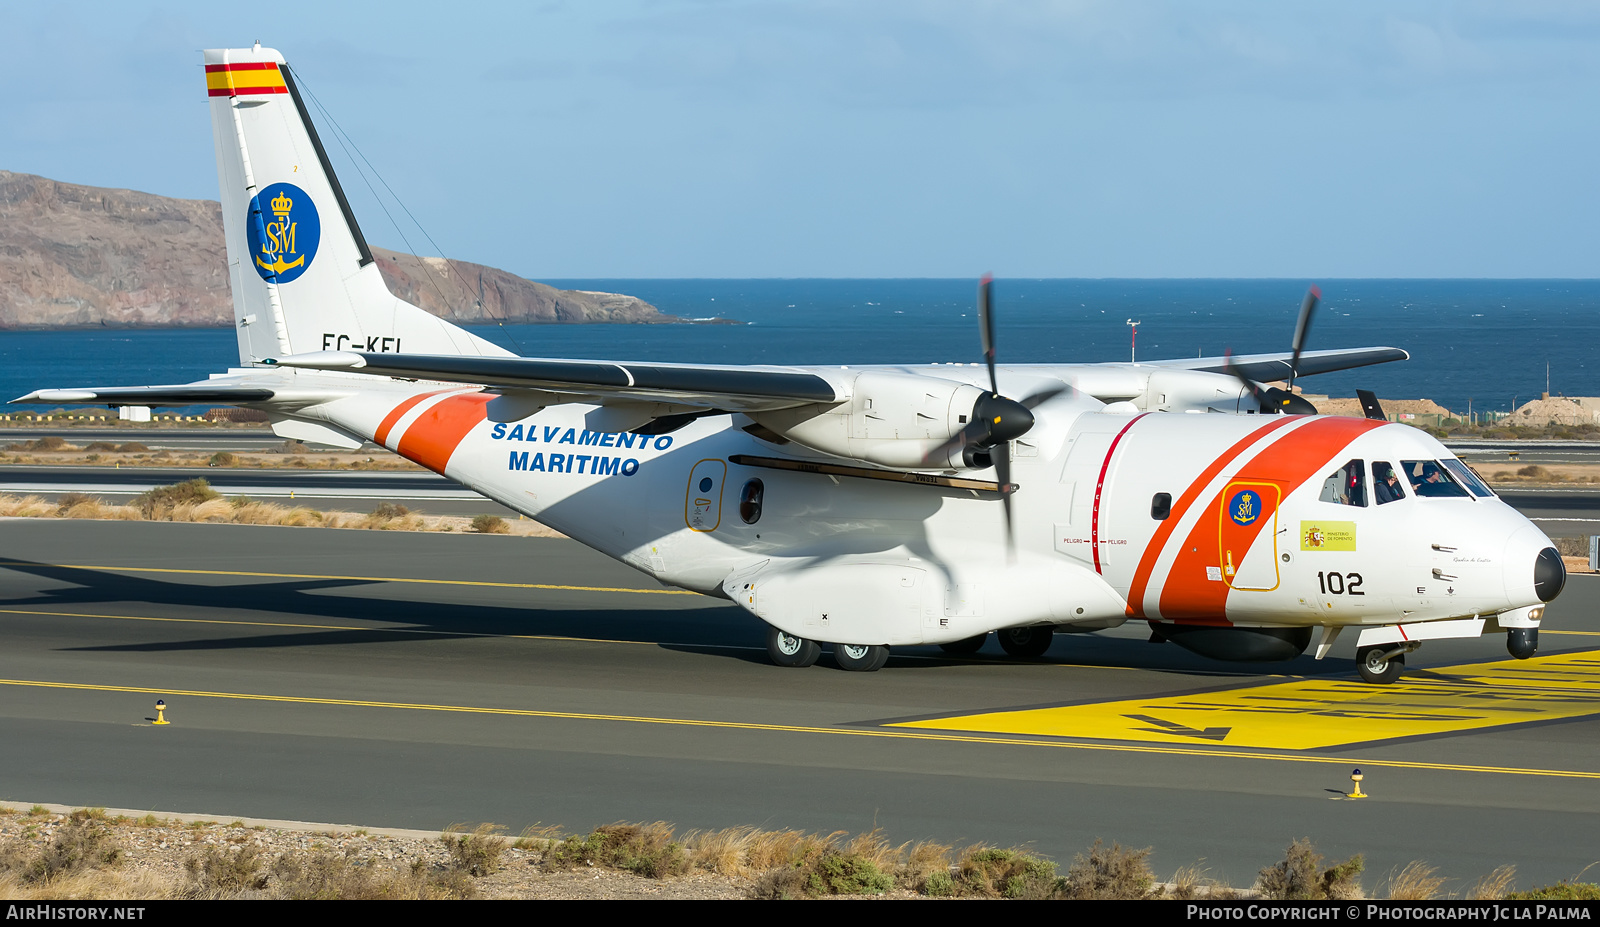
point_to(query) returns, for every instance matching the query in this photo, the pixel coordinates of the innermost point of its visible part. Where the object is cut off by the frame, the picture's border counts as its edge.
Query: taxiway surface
(419, 680)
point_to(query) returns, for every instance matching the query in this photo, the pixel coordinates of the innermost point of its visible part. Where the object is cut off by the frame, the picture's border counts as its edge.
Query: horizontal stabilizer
(1264, 368)
(152, 395)
(733, 388)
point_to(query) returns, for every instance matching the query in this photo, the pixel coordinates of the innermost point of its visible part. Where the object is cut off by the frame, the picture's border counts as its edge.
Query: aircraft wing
(731, 388)
(1268, 367)
(185, 395)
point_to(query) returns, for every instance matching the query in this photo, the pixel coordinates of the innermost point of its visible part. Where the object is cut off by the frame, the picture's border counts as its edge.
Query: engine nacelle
(1193, 390)
(892, 419)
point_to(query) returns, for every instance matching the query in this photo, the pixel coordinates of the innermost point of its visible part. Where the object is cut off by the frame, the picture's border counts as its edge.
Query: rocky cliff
(74, 256)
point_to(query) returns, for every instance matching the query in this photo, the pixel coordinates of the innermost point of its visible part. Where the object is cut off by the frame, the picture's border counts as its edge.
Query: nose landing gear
(1383, 664)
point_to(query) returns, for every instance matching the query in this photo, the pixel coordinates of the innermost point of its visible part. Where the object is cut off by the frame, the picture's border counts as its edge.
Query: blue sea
(1486, 342)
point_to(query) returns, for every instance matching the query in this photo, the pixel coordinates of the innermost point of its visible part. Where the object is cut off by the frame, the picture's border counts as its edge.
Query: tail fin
(303, 277)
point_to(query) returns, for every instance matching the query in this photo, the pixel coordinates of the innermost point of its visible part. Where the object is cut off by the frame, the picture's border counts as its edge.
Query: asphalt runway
(419, 680)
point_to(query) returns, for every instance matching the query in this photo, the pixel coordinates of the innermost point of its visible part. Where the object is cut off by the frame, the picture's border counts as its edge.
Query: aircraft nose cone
(1549, 574)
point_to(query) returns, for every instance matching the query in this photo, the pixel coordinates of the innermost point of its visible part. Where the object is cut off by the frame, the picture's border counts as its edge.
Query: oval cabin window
(750, 502)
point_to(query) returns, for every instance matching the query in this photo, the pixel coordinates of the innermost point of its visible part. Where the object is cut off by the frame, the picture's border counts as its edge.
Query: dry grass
(1495, 885)
(245, 511)
(1418, 881)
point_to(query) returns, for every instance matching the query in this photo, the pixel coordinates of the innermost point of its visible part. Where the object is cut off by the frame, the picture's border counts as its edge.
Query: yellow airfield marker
(1309, 714)
(1355, 780)
(161, 707)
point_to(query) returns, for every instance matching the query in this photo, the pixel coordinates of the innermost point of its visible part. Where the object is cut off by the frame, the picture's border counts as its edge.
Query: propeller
(1271, 399)
(996, 420)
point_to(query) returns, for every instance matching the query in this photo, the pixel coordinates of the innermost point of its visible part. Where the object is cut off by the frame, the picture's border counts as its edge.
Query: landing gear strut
(785, 649)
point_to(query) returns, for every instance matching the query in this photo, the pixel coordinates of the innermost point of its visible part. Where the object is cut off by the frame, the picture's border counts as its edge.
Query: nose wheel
(1380, 665)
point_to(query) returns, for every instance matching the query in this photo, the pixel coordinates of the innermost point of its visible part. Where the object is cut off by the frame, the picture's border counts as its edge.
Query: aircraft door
(1249, 510)
(702, 499)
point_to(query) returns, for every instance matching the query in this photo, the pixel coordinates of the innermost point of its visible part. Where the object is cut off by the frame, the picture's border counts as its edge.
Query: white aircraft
(880, 506)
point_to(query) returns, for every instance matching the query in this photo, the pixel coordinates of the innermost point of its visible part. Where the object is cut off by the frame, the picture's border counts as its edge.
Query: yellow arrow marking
(1318, 713)
(1338, 761)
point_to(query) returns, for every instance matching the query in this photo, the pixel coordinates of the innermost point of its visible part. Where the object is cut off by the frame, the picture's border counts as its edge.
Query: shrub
(1416, 882)
(490, 524)
(1561, 891)
(161, 500)
(990, 872)
(223, 459)
(643, 849)
(133, 447)
(1298, 877)
(1111, 873)
(83, 842)
(390, 510)
(477, 853)
(217, 871)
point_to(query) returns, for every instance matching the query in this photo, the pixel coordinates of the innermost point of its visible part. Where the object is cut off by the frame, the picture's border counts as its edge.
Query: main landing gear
(786, 649)
(1026, 642)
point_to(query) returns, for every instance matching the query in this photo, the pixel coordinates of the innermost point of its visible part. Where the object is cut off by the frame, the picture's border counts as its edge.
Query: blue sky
(880, 138)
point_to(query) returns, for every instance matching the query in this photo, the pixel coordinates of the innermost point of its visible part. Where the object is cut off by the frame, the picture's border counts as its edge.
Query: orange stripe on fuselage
(1289, 461)
(433, 437)
(1152, 550)
(381, 436)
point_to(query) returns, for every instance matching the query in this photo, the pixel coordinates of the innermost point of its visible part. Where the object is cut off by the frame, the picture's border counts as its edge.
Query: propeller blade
(1302, 330)
(1271, 400)
(1369, 405)
(1001, 454)
(986, 326)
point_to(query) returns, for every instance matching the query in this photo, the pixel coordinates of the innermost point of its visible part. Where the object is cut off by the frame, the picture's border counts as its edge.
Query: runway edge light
(161, 707)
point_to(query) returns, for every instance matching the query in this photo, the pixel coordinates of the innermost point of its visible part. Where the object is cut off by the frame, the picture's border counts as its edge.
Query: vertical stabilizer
(303, 277)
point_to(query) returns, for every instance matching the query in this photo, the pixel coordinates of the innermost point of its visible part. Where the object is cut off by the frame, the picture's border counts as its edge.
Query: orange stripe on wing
(1152, 550)
(1289, 461)
(382, 434)
(433, 437)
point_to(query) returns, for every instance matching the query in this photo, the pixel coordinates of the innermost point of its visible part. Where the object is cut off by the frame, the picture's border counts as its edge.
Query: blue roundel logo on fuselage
(284, 232)
(1245, 507)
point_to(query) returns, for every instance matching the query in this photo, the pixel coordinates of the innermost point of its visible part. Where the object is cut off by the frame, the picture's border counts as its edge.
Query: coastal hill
(73, 256)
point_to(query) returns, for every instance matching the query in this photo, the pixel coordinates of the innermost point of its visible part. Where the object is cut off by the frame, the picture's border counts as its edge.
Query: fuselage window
(1386, 483)
(1161, 506)
(1432, 481)
(750, 498)
(1346, 485)
(1468, 477)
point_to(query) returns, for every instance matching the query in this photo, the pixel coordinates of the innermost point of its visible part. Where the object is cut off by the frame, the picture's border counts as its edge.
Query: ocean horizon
(1483, 342)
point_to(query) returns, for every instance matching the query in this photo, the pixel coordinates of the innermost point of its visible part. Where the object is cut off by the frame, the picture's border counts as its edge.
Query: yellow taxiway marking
(1318, 713)
(882, 732)
(364, 579)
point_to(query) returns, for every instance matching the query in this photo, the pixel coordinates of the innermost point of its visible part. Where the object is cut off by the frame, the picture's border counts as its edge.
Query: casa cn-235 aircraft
(879, 506)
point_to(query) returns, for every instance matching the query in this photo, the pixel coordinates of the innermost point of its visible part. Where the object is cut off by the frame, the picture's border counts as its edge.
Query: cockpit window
(1431, 481)
(1468, 477)
(1346, 485)
(1386, 483)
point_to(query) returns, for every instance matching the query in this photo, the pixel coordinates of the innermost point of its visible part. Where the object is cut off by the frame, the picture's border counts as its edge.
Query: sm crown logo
(284, 237)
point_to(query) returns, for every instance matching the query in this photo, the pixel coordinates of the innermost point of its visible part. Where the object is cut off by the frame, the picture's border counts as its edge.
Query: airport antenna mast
(1133, 341)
